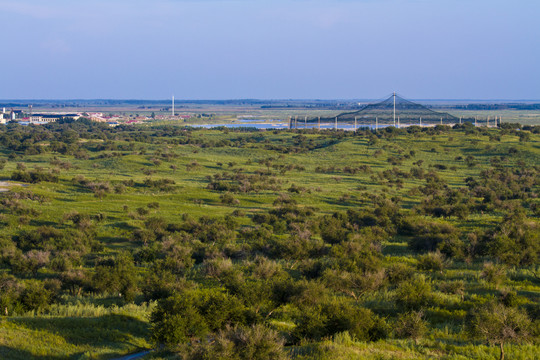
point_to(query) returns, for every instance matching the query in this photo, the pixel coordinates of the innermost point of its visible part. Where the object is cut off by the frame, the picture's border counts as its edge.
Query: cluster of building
(25, 118)
(8, 116)
(100, 117)
(114, 120)
(28, 117)
(131, 119)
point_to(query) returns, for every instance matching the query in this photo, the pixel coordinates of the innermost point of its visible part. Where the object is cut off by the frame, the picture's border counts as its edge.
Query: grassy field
(309, 167)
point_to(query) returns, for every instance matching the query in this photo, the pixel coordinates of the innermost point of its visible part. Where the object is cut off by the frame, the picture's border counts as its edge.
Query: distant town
(27, 117)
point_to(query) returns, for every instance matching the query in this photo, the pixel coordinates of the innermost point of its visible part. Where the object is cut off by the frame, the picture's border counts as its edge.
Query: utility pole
(420, 122)
(460, 120)
(355, 124)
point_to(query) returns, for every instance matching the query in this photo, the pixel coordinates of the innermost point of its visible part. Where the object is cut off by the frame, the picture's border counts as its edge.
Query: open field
(296, 231)
(230, 110)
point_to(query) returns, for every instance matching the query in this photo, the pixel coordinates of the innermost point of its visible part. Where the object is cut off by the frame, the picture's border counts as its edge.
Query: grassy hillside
(324, 238)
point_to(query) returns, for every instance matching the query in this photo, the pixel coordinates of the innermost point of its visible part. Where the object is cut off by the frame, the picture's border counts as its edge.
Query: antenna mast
(394, 108)
(173, 105)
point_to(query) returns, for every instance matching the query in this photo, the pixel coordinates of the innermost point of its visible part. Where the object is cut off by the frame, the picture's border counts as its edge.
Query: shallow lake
(250, 124)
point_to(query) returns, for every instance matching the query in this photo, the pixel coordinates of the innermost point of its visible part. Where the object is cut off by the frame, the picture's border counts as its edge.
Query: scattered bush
(411, 325)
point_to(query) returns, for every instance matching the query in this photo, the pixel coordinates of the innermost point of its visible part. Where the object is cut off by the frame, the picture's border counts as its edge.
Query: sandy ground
(4, 185)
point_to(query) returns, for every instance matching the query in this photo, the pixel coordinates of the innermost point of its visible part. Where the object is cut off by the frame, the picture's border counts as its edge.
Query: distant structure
(392, 111)
(43, 118)
(173, 105)
(3, 116)
(15, 114)
(47, 118)
(394, 108)
(389, 110)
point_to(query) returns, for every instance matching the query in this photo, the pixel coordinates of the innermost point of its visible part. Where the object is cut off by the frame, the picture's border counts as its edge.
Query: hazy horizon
(446, 50)
(262, 100)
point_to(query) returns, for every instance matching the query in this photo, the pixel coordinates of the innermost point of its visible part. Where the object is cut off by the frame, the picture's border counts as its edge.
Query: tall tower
(394, 108)
(173, 105)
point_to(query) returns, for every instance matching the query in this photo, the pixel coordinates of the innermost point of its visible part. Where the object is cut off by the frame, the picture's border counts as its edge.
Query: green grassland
(108, 176)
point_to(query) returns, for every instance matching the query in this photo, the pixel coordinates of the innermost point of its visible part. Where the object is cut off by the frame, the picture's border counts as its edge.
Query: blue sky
(270, 49)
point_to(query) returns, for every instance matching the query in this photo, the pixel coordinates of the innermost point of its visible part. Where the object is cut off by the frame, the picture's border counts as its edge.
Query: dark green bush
(193, 314)
(328, 318)
(414, 294)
